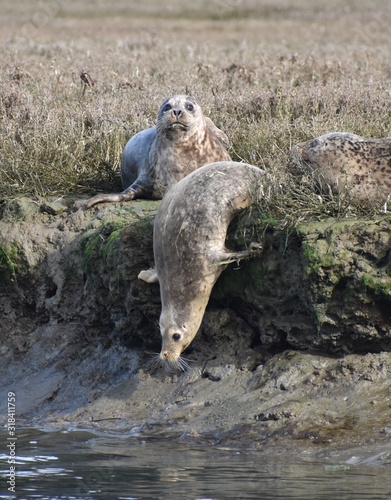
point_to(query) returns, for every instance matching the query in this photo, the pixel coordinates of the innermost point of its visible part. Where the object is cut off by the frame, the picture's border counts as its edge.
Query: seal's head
(330, 148)
(180, 116)
(174, 342)
(178, 327)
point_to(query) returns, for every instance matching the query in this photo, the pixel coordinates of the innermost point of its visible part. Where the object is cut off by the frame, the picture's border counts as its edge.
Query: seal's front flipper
(228, 257)
(137, 190)
(110, 198)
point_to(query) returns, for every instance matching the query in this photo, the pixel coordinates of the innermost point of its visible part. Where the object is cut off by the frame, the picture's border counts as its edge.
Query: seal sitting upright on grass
(189, 235)
(341, 160)
(156, 158)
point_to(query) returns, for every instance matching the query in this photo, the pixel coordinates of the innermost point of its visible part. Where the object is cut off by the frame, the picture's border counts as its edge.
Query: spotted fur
(344, 161)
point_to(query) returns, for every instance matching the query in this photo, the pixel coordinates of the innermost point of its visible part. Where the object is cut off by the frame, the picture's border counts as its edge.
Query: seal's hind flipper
(149, 276)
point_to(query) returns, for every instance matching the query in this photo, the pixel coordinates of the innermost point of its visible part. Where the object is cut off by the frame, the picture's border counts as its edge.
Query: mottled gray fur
(189, 244)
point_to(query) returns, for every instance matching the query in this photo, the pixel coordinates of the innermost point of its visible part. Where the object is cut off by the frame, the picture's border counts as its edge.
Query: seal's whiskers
(180, 364)
(183, 364)
(155, 361)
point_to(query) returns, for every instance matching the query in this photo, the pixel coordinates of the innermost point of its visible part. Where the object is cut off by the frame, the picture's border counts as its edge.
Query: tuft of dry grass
(79, 81)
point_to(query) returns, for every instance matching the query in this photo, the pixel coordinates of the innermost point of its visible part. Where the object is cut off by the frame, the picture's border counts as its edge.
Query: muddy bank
(294, 350)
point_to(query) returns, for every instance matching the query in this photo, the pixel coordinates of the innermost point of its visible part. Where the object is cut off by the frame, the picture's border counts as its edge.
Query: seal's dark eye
(166, 107)
(189, 106)
(176, 336)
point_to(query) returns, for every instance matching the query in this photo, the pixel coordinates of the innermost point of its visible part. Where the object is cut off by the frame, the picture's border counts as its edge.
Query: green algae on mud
(8, 262)
(102, 237)
(347, 266)
(323, 283)
(380, 287)
(111, 248)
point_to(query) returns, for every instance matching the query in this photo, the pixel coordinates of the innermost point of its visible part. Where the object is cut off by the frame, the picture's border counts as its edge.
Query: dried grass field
(269, 73)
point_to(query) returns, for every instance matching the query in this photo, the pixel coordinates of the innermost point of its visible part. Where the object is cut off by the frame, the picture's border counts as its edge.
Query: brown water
(83, 465)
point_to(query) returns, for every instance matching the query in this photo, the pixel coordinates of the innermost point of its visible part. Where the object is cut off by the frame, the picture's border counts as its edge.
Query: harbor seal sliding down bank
(341, 160)
(190, 229)
(156, 158)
